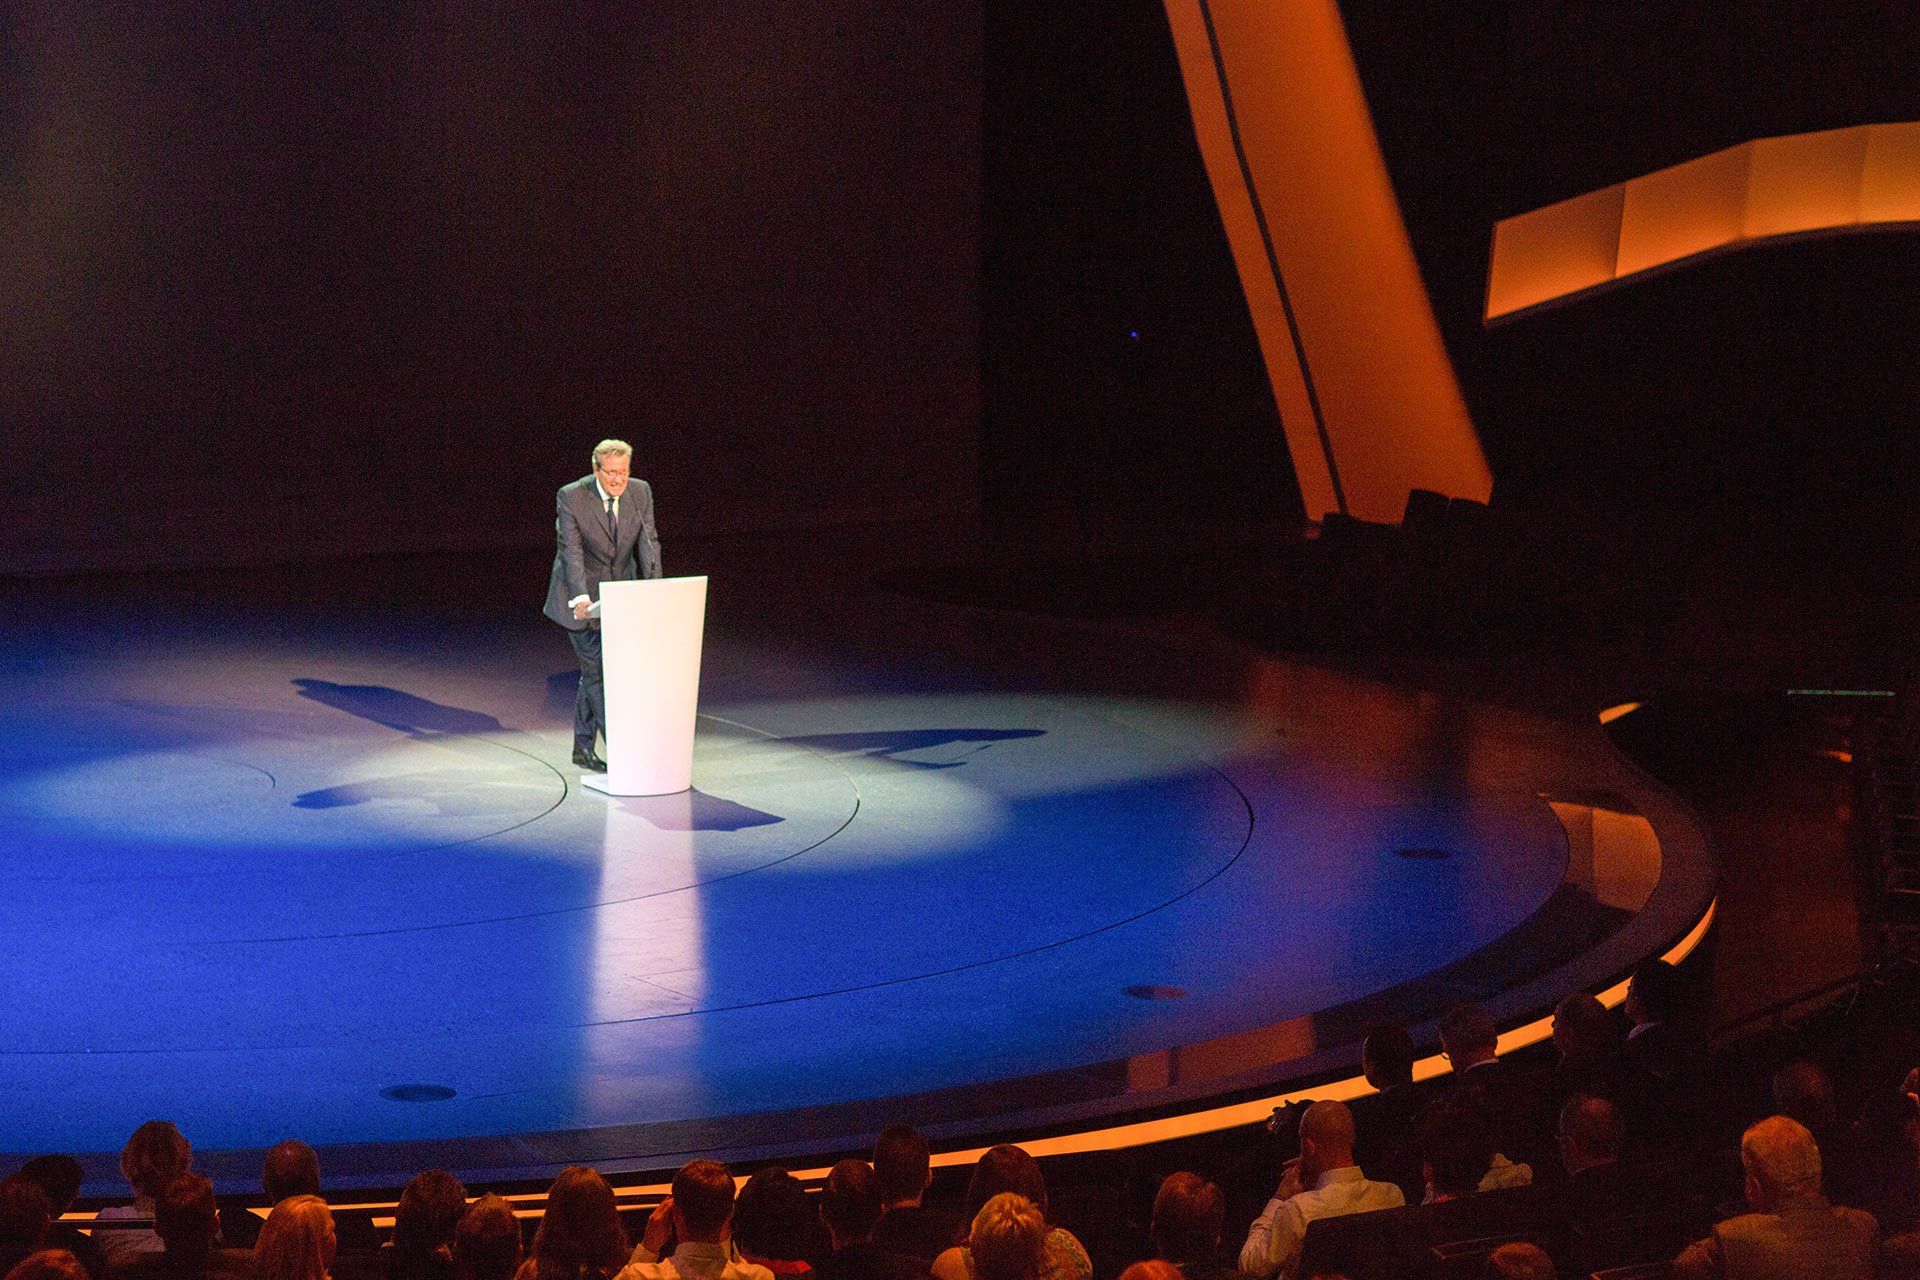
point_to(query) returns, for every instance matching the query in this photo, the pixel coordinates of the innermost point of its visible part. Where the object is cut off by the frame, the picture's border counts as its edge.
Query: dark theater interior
(1153, 640)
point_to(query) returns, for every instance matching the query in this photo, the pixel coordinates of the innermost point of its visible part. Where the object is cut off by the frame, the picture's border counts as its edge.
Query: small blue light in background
(1134, 334)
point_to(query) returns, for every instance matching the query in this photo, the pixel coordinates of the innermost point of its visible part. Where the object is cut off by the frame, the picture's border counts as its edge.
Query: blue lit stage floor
(287, 875)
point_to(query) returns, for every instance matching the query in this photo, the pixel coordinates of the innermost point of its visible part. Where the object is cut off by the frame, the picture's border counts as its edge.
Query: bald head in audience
(1520, 1261)
(1326, 1140)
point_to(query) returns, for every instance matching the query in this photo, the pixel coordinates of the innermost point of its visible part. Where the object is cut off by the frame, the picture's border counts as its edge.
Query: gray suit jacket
(590, 553)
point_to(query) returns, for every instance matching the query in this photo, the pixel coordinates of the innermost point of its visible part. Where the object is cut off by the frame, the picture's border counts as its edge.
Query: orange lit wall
(1831, 180)
(1366, 394)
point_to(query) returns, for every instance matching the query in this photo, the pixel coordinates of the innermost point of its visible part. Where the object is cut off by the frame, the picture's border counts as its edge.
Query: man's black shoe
(584, 757)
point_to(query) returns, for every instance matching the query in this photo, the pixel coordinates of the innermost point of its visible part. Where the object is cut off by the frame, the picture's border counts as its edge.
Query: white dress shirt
(1273, 1243)
(691, 1261)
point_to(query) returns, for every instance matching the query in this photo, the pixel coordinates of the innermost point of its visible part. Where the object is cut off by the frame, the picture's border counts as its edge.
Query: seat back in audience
(1644, 1271)
(1467, 1259)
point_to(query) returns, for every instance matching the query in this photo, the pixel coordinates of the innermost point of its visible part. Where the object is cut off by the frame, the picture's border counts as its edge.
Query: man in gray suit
(604, 524)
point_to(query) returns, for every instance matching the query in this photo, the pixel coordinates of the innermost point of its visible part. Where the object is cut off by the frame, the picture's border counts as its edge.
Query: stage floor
(282, 873)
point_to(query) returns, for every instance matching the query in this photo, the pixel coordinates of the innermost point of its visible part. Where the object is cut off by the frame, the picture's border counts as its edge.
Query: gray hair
(1782, 1155)
(611, 449)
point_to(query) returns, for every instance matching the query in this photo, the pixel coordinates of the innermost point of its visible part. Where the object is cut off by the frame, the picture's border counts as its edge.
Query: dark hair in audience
(772, 1218)
(59, 1176)
(49, 1264)
(703, 1197)
(486, 1242)
(1592, 1126)
(1387, 1053)
(1189, 1214)
(1005, 1168)
(292, 1169)
(850, 1203)
(1466, 1029)
(901, 1160)
(580, 1232)
(25, 1215)
(186, 1218)
(1801, 1091)
(1655, 991)
(1583, 1028)
(1456, 1144)
(423, 1223)
(154, 1156)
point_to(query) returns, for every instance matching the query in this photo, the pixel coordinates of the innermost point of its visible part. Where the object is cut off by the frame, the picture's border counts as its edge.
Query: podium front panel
(650, 639)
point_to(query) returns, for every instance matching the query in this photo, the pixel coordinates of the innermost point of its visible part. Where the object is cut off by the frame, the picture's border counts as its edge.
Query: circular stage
(332, 878)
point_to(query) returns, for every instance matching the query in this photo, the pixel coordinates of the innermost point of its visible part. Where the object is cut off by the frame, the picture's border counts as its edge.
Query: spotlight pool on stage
(331, 878)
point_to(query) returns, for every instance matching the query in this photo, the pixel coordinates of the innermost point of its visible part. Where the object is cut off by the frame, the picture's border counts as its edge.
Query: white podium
(650, 632)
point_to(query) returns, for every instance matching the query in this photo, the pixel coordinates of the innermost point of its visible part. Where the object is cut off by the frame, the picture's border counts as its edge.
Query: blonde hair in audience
(297, 1242)
(1007, 1238)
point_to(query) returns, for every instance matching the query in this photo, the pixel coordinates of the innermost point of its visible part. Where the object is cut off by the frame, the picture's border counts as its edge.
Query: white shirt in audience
(1273, 1243)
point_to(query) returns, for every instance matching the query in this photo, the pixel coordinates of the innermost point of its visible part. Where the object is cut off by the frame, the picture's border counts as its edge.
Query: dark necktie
(613, 521)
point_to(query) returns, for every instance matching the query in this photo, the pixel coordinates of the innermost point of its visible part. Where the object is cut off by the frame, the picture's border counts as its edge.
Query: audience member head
(1583, 1030)
(486, 1242)
(772, 1218)
(292, 1169)
(186, 1218)
(49, 1264)
(1801, 1091)
(296, 1242)
(1189, 1215)
(1005, 1168)
(580, 1230)
(1467, 1036)
(702, 1201)
(429, 1210)
(1007, 1238)
(1152, 1269)
(902, 1165)
(1456, 1148)
(155, 1155)
(850, 1203)
(59, 1176)
(1520, 1261)
(1386, 1057)
(1590, 1133)
(25, 1215)
(1654, 993)
(1326, 1140)
(1782, 1163)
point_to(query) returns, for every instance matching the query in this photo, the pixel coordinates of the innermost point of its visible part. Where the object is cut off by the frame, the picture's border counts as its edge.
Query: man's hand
(1290, 1180)
(580, 610)
(659, 1232)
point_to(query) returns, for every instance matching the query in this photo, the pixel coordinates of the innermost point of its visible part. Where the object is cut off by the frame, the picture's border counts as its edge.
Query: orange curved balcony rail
(1832, 180)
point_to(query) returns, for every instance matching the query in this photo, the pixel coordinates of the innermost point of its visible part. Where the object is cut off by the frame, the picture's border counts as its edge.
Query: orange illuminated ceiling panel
(1890, 184)
(1831, 180)
(1805, 182)
(1688, 209)
(1554, 251)
(1365, 389)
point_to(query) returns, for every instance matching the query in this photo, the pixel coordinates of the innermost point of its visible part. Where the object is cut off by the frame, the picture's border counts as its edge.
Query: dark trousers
(590, 703)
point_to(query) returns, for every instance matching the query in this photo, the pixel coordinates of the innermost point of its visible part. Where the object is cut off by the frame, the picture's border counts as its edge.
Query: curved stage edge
(1269, 857)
